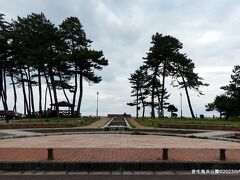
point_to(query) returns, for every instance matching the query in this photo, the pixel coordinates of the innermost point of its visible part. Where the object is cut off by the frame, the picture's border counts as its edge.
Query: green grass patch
(131, 124)
(148, 122)
(78, 122)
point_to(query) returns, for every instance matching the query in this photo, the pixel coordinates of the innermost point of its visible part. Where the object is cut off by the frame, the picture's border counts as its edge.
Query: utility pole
(181, 104)
(97, 104)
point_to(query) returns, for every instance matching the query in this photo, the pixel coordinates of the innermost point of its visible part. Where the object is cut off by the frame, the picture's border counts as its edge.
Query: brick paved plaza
(114, 154)
(115, 141)
(115, 147)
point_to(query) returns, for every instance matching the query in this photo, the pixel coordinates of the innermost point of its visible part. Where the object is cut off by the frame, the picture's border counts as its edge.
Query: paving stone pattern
(114, 154)
(115, 141)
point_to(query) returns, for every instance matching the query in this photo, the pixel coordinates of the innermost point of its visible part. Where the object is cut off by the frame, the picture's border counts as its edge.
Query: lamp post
(97, 103)
(181, 103)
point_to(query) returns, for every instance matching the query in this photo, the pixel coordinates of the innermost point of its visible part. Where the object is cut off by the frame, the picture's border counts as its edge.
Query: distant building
(65, 109)
(119, 115)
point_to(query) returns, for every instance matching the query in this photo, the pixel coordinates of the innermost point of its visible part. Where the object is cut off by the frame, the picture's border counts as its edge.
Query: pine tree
(159, 59)
(228, 104)
(4, 52)
(184, 70)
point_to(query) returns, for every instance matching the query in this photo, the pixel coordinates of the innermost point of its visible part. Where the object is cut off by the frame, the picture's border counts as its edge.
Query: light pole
(97, 103)
(181, 103)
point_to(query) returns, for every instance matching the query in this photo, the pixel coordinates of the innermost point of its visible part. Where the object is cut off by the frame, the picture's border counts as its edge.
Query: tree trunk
(14, 93)
(5, 91)
(29, 94)
(80, 94)
(40, 92)
(228, 113)
(1, 83)
(25, 109)
(75, 90)
(49, 89)
(45, 99)
(163, 88)
(29, 99)
(24, 93)
(143, 112)
(159, 102)
(2, 90)
(64, 92)
(5, 85)
(31, 91)
(54, 90)
(153, 93)
(188, 98)
(143, 106)
(5, 106)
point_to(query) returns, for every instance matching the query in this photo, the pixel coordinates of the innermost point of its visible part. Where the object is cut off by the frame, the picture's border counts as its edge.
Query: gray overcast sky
(208, 29)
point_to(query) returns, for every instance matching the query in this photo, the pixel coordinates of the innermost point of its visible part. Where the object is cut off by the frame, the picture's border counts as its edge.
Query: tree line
(148, 82)
(34, 52)
(228, 103)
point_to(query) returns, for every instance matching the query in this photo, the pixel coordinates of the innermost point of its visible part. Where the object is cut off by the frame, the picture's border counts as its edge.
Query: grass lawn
(131, 124)
(150, 122)
(84, 121)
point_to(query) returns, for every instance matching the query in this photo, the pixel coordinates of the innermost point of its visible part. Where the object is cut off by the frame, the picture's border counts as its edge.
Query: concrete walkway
(19, 133)
(211, 134)
(8, 133)
(98, 124)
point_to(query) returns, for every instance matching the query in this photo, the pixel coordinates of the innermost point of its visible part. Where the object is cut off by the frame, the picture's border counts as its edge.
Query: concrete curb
(113, 166)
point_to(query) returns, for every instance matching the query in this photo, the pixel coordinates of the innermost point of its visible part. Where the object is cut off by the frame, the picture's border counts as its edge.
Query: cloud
(209, 31)
(209, 37)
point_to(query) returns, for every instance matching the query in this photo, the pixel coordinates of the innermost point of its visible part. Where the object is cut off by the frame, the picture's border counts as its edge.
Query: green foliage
(149, 122)
(33, 49)
(159, 60)
(131, 124)
(228, 104)
(163, 60)
(139, 81)
(162, 50)
(81, 60)
(184, 69)
(4, 61)
(72, 121)
(172, 108)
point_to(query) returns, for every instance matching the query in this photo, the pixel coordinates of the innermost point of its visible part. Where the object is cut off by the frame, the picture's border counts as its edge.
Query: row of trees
(228, 103)
(34, 52)
(163, 60)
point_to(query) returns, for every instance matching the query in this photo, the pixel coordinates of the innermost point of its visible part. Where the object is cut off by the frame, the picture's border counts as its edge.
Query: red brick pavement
(115, 154)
